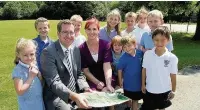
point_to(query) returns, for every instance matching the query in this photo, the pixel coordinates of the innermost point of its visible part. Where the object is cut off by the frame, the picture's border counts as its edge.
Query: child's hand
(121, 85)
(33, 71)
(117, 87)
(171, 95)
(143, 89)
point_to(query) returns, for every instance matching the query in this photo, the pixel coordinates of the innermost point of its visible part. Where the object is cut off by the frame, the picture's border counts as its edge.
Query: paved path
(188, 93)
(182, 28)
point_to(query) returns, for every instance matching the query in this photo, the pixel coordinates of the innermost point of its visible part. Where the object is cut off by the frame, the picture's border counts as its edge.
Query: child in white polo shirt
(159, 72)
(79, 38)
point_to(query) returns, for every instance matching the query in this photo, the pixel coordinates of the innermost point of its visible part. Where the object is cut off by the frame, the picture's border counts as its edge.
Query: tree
(18, 10)
(127, 6)
(27, 9)
(11, 10)
(197, 33)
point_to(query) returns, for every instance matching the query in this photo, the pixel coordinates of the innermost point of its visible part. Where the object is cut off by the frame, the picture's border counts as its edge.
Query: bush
(11, 10)
(28, 8)
(18, 10)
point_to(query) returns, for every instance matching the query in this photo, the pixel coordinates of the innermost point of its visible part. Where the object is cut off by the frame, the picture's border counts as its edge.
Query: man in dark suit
(61, 69)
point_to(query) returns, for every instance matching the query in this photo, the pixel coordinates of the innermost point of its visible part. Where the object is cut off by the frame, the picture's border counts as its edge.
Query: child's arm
(142, 48)
(21, 87)
(143, 80)
(120, 78)
(173, 81)
(173, 72)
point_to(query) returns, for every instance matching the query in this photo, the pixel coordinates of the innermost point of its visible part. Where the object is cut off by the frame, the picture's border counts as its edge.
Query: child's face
(154, 22)
(27, 55)
(113, 20)
(160, 41)
(130, 22)
(117, 48)
(129, 48)
(43, 29)
(142, 19)
(92, 31)
(77, 26)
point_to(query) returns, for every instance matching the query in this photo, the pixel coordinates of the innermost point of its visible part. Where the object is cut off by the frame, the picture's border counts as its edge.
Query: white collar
(166, 52)
(64, 48)
(135, 53)
(23, 64)
(46, 40)
(110, 30)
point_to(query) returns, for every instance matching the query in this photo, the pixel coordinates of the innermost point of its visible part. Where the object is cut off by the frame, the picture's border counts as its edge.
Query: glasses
(68, 33)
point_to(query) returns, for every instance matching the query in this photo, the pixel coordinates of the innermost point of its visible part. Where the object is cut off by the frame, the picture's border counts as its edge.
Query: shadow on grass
(180, 36)
(186, 49)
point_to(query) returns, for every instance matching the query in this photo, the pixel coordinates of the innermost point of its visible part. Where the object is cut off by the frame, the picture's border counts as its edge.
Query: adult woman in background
(96, 58)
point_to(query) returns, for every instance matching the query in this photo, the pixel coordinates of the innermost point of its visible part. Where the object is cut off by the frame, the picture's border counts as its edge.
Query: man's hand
(81, 101)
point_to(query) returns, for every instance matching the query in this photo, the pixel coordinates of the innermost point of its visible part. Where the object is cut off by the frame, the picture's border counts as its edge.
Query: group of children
(142, 62)
(142, 58)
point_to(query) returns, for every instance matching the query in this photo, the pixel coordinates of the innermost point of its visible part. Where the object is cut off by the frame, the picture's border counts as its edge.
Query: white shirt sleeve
(174, 65)
(145, 59)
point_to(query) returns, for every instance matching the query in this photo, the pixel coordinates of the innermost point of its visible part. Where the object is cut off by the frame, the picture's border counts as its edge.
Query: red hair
(90, 21)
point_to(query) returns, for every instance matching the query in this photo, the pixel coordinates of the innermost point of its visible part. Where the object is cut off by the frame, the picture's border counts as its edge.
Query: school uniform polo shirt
(158, 70)
(103, 34)
(40, 46)
(147, 41)
(80, 39)
(131, 67)
(125, 33)
(139, 32)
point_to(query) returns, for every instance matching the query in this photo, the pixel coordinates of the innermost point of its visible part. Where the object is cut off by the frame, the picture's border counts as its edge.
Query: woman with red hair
(96, 58)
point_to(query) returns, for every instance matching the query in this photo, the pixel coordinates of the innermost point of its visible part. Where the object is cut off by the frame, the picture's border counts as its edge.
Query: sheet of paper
(103, 99)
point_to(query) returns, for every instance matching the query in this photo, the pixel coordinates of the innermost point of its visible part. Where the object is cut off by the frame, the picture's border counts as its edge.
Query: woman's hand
(110, 88)
(100, 85)
(88, 90)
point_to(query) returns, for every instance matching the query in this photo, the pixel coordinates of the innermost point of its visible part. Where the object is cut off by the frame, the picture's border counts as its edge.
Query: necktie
(72, 82)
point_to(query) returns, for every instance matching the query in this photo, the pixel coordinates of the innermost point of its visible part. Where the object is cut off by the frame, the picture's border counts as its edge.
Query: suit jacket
(56, 75)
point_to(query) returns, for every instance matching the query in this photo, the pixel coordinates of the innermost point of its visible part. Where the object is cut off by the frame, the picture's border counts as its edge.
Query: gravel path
(188, 90)
(188, 93)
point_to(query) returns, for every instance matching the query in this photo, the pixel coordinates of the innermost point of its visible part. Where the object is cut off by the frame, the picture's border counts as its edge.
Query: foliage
(28, 8)
(18, 10)
(173, 11)
(11, 10)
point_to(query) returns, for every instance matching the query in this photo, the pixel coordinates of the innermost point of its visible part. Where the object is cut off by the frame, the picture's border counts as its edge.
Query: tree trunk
(197, 33)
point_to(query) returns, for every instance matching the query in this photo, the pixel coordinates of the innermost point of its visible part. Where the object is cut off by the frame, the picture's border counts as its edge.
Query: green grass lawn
(187, 51)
